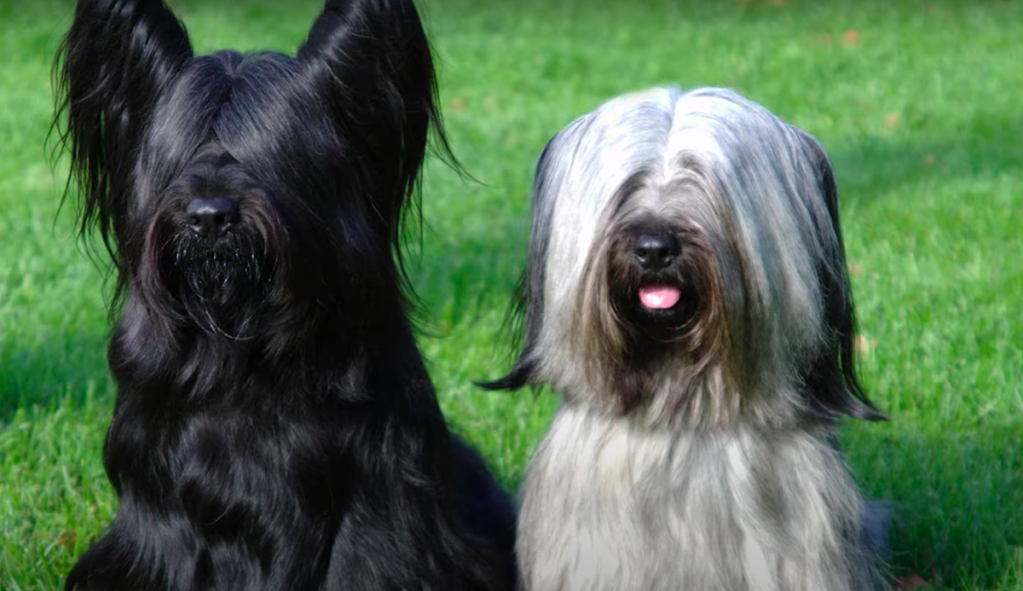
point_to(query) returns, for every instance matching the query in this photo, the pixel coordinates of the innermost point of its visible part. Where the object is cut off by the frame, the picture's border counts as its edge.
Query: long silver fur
(722, 475)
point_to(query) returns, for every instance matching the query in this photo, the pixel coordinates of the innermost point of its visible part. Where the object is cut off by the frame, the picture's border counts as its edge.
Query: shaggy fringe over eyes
(627, 359)
(104, 102)
(763, 199)
(275, 427)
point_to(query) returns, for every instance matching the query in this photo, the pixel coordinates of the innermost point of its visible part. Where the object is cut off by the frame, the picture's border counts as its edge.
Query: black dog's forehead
(238, 72)
(260, 97)
(212, 172)
(212, 157)
(237, 97)
(253, 110)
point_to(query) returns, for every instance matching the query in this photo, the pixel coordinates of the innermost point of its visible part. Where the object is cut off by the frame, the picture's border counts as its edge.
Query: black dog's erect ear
(116, 59)
(832, 380)
(369, 61)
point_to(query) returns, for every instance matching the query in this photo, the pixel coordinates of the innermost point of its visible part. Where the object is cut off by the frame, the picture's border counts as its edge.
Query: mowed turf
(917, 102)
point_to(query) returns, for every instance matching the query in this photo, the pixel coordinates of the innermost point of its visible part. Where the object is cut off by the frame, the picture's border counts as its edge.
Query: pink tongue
(659, 297)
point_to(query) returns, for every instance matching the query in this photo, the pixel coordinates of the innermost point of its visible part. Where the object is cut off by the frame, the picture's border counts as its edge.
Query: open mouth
(659, 297)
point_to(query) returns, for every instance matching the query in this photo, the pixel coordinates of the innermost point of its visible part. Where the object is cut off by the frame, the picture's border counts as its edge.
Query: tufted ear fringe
(113, 64)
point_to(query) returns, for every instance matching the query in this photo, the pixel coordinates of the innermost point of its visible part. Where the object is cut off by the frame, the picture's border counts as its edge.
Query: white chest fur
(612, 505)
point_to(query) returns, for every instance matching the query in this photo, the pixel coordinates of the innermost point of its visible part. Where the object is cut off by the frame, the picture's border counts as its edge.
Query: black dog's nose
(211, 217)
(655, 251)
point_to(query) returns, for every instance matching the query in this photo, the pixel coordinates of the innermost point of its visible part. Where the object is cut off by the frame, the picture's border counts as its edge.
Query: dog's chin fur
(695, 446)
(226, 285)
(635, 352)
(275, 428)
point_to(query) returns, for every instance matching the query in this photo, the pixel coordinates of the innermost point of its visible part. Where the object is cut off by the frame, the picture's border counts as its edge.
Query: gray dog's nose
(211, 217)
(655, 251)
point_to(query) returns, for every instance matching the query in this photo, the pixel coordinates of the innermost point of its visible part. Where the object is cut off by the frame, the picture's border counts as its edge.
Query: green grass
(919, 110)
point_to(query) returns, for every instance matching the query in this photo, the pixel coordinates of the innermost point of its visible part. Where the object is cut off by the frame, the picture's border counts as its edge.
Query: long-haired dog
(275, 428)
(686, 292)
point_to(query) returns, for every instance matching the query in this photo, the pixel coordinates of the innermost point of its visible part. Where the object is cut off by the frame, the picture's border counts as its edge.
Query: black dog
(275, 427)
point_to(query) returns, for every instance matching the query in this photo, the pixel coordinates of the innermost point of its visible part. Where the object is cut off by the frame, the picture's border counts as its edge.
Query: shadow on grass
(988, 144)
(958, 499)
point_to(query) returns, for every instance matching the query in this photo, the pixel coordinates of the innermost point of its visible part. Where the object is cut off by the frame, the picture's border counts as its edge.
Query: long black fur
(275, 427)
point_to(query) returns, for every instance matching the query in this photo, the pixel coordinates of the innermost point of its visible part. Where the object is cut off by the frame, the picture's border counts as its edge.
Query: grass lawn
(917, 102)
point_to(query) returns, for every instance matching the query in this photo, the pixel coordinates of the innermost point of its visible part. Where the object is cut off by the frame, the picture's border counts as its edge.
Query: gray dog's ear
(524, 321)
(822, 172)
(116, 60)
(525, 318)
(832, 378)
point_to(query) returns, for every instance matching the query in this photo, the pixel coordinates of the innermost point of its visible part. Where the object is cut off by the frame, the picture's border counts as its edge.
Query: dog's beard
(221, 283)
(642, 327)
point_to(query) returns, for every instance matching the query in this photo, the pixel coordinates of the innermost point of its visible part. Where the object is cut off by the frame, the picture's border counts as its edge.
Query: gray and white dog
(686, 292)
